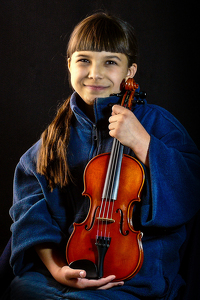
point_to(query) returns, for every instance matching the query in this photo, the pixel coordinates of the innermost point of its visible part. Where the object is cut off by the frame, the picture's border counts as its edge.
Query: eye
(111, 62)
(83, 60)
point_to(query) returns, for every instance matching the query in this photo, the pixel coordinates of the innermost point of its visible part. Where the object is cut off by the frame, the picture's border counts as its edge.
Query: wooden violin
(106, 242)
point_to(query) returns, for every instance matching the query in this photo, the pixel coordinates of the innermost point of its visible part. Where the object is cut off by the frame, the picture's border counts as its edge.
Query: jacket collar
(102, 109)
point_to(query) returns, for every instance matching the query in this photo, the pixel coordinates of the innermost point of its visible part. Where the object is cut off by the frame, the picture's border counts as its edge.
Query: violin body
(124, 256)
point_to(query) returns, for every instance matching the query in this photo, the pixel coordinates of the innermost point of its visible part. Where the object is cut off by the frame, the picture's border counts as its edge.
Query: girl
(48, 181)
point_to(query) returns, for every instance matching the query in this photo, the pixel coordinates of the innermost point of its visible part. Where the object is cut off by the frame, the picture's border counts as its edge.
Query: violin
(105, 243)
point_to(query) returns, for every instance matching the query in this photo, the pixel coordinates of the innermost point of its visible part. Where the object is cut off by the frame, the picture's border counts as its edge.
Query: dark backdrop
(33, 72)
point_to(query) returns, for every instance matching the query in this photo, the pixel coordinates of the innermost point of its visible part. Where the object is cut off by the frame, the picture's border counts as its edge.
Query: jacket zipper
(95, 140)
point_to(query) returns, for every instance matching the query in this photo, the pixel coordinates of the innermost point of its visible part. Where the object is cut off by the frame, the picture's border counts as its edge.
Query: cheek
(118, 79)
(74, 80)
(77, 75)
(120, 75)
(72, 83)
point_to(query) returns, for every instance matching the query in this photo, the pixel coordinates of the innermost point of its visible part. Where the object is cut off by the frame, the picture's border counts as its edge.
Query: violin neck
(111, 184)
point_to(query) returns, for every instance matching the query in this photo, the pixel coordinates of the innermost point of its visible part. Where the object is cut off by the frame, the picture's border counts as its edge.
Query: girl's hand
(55, 262)
(76, 279)
(125, 127)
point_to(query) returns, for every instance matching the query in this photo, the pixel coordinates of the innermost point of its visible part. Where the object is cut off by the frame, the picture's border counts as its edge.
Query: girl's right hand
(76, 279)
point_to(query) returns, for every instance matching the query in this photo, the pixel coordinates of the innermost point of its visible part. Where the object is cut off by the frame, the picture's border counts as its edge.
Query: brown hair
(102, 32)
(98, 32)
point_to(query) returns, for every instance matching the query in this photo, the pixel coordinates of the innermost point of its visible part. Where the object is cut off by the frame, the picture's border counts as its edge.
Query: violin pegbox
(129, 87)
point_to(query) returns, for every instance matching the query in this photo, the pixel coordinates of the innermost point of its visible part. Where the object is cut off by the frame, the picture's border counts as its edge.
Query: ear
(131, 71)
(69, 64)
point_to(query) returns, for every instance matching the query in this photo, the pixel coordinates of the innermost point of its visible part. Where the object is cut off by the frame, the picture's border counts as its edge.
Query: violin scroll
(129, 87)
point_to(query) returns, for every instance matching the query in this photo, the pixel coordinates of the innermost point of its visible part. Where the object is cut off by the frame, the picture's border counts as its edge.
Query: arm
(30, 213)
(171, 196)
(55, 262)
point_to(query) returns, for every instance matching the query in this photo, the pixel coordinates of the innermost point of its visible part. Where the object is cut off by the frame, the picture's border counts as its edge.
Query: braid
(52, 156)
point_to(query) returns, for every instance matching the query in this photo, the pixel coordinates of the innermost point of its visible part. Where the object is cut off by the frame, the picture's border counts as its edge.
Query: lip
(96, 87)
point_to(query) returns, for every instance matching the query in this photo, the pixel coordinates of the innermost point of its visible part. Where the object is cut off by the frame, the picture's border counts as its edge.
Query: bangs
(99, 33)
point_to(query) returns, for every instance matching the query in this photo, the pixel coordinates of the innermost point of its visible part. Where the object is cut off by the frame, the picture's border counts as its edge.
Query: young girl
(48, 183)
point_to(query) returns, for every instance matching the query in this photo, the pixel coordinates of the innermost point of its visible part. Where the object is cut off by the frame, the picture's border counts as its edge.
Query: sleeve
(33, 223)
(173, 196)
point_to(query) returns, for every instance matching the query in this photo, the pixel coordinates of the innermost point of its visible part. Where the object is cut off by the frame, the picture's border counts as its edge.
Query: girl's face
(98, 74)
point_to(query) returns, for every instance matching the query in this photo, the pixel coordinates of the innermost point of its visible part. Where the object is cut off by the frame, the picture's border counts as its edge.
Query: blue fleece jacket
(169, 198)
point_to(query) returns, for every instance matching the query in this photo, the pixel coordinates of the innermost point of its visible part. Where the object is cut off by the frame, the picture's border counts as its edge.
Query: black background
(34, 36)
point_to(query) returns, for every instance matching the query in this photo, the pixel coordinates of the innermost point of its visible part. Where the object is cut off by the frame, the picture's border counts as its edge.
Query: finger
(113, 119)
(84, 283)
(117, 109)
(102, 282)
(74, 273)
(110, 285)
(111, 126)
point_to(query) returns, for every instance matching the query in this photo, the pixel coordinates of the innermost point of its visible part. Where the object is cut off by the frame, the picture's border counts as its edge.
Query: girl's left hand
(125, 127)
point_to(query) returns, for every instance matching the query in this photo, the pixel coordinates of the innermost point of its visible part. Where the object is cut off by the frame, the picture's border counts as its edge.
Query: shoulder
(161, 124)
(159, 120)
(29, 159)
(158, 113)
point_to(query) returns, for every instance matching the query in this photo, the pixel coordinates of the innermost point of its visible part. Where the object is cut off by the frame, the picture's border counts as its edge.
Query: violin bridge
(106, 220)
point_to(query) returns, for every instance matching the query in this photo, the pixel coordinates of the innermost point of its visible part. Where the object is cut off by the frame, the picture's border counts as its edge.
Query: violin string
(118, 151)
(112, 181)
(101, 216)
(105, 203)
(106, 196)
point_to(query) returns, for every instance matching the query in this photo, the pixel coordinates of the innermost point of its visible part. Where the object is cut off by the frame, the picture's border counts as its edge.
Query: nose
(95, 71)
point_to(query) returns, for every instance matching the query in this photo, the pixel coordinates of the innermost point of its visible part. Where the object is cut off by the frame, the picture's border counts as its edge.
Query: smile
(96, 87)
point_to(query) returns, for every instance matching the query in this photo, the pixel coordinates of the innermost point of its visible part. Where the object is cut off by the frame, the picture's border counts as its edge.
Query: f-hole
(121, 223)
(94, 216)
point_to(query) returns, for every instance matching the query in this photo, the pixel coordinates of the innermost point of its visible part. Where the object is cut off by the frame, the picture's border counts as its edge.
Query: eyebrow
(107, 56)
(113, 56)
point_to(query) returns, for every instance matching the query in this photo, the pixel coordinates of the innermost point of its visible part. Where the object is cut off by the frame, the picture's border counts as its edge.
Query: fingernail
(120, 283)
(82, 273)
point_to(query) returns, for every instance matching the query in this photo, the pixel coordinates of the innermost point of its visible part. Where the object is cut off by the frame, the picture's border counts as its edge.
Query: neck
(90, 112)
(87, 109)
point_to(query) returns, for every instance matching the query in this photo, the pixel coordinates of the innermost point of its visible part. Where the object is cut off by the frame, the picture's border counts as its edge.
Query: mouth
(96, 87)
